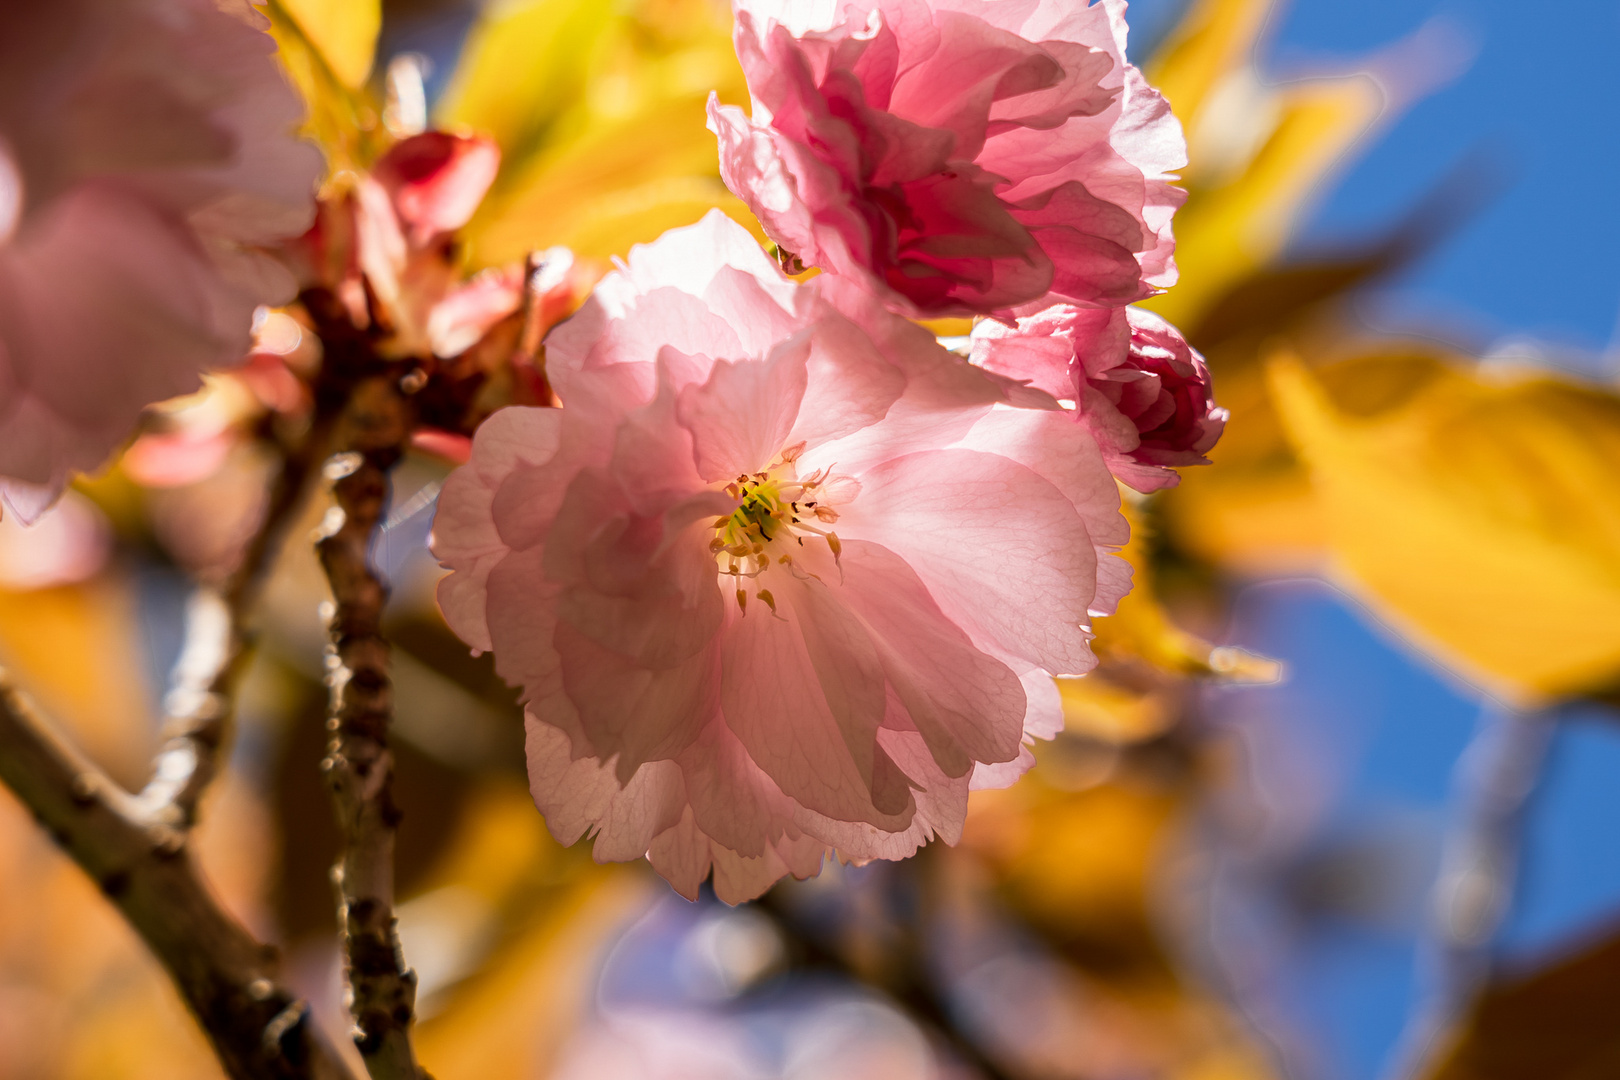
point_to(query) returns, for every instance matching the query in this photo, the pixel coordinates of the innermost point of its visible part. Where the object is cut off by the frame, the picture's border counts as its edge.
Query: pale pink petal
(805, 742)
(508, 440)
(733, 801)
(967, 706)
(1137, 386)
(740, 417)
(1001, 549)
(628, 711)
(457, 322)
(988, 776)
(145, 148)
(681, 854)
(578, 795)
(850, 385)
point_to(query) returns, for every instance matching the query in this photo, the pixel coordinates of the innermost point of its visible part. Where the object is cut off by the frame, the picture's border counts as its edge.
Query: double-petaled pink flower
(781, 577)
(1134, 382)
(957, 157)
(146, 158)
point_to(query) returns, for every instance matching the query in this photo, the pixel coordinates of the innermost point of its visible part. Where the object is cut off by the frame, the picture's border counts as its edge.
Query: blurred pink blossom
(386, 248)
(781, 576)
(957, 157)
(1141, 389)
(147, 157)
(68, 543)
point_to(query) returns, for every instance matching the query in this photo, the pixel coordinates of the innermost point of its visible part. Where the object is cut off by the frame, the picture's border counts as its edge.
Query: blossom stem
(359, 765)
(259, 1029)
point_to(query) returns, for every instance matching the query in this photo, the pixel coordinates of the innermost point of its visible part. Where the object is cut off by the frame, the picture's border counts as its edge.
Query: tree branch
(229, 980)
(358, 765)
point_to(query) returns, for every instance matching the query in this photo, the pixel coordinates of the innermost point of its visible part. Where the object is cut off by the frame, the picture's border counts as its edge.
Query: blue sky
(1540, 103)
(1358, 751)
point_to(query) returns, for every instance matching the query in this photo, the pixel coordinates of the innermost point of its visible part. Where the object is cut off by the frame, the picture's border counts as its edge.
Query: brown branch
(229, 980)
(358, 765)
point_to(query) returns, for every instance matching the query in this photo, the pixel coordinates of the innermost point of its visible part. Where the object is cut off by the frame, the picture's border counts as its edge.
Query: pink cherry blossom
(1143, 392)
(957, 157)
(781, 577)
(147, 157)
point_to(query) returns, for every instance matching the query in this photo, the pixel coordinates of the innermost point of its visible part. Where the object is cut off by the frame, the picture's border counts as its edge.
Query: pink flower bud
(1132, 378)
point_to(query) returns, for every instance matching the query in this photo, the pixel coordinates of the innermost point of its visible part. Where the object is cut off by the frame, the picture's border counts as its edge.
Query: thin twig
(1478, 870)
(229, 980)
(200, 703)
(358, 765)
(905, 980)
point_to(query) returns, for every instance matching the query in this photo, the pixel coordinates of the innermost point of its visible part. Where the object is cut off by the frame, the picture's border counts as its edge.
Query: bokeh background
(1237, 864)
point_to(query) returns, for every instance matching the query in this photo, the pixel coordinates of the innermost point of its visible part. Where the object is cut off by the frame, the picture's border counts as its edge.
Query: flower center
(776, 511)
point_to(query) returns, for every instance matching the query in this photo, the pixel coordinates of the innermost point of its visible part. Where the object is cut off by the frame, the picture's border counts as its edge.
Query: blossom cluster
(784, 577)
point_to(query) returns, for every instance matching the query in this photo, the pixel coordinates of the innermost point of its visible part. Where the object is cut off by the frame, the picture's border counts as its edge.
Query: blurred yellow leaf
(1140, 626)
(1257, 150)
(343, 120)
(1481, 515)
(523, 65)
(80, 995)
(599, 111)
(1212, 39)
(1253, 509)
(1077, 865)
(510, 1021)
(1110, 710)
(344, 32)
(1142, 629)
(1235, 223)
(77, 650)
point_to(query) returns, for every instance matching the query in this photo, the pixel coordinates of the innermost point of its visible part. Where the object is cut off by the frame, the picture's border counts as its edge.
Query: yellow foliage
(511, 1021)
(1104, 709)
(1236, 223)
(1481, 515)
(46, 636)
(599, 112)
(1257, 151)
(1211, 40)
(1141, 628)
(322, 44)
(344, 32)
(1075, 863)
(1253, 510)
